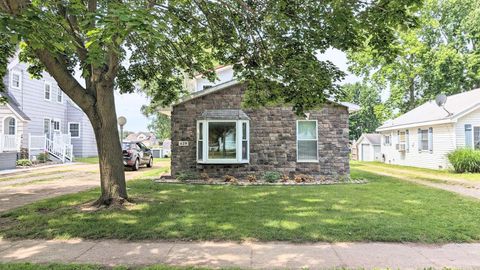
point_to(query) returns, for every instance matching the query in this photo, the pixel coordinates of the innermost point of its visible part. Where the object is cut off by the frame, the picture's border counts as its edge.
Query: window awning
(224, 115)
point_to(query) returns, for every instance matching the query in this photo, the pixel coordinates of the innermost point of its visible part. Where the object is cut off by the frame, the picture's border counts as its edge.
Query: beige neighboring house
(368, 147)
(147, 138)
(425, 135)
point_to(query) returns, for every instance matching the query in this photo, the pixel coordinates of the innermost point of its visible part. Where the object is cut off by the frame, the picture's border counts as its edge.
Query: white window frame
(420, 146)
(59, 125)
(238, 142)
(389, 139)
(74, 137)
(5, 128)
(473, 136)
(316, 139)
(49, 91)
(19, 73)
(59, 95)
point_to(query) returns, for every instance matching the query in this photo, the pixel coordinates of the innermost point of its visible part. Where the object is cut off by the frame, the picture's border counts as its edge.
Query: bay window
(307, 141)
(222, 141)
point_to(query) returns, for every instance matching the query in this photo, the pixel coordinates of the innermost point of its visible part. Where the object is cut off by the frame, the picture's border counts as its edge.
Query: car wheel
(150, 163)
(136, 165)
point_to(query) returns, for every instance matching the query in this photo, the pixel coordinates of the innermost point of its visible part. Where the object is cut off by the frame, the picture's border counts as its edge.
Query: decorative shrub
(183, 176)
(271, 176)
(24, 162)
(285, 178)
(204, 176)
(465, 160)
(252, 178)
(229, 178)
(303, 178)
(42, 157)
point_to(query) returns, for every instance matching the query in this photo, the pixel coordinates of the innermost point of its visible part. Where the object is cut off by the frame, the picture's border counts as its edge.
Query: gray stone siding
(272, 138)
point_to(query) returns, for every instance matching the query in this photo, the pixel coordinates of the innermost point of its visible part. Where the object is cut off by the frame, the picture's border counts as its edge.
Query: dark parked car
(136, 154)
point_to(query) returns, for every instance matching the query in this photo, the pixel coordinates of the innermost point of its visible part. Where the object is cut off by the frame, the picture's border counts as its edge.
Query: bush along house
(213, 134)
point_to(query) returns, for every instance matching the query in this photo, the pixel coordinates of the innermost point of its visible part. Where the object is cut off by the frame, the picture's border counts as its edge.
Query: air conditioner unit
(401, 147)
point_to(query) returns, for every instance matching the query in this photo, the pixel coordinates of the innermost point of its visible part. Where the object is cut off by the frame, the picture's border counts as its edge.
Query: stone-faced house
(212, 133)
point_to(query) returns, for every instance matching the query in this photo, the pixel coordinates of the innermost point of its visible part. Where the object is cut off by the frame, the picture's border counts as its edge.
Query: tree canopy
(441, 55)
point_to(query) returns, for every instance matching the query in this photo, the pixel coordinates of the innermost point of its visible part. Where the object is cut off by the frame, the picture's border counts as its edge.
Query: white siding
(473, 119)
(372, 155)
(443, 143)
(85, 146)
(6, 112)
(224, 74)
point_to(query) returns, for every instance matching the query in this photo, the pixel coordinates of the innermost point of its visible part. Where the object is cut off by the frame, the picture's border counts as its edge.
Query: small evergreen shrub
(183, 176)
(465, 160)
(42, 157)
(272, 176)
(24, 162)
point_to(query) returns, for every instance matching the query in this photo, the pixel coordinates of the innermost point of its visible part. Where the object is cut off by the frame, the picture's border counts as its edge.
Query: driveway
(23, 188)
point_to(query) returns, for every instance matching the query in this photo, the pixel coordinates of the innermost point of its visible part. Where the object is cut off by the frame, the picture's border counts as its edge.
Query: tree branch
(65, 80)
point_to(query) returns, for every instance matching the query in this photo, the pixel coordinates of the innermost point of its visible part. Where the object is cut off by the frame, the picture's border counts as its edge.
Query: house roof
(430, 114)
(15, 107)
(351, 107)
(224, 114)
(373, 138)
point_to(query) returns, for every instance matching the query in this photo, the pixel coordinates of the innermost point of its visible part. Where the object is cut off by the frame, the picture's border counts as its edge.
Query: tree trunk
(104, 121)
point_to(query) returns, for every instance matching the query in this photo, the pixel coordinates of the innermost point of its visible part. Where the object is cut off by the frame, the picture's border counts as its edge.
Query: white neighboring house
(39, 117)
(368, 147)
(425, 135)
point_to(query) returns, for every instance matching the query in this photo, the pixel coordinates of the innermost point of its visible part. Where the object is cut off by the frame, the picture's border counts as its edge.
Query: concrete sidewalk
(244, 255)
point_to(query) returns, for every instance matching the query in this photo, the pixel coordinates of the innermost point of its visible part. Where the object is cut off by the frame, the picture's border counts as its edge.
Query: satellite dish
(441, 99)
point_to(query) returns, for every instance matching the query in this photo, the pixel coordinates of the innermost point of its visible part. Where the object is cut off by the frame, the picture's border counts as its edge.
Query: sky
(129, 105)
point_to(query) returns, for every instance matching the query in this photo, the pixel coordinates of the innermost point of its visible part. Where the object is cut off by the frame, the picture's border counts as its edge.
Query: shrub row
(465, 160)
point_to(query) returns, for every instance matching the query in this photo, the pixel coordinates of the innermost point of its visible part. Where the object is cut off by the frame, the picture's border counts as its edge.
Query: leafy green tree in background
(159, 123)
(115, 44)
(372, 111)
(441, 55)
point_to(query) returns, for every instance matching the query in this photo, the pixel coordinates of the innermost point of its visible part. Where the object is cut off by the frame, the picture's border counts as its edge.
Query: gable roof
(431, 114)
(15, 107)
(373, 138)
(350, 106)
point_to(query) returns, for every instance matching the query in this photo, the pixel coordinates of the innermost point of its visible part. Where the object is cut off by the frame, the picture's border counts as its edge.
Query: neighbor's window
(16, 80)
(59, 96)
(307, 141)
(222, 141)
(56, 125)
(423, 134)
(74, 130)
(386, 139)
(47, 91)
(401, 137)
(11, 126)
(476, 137)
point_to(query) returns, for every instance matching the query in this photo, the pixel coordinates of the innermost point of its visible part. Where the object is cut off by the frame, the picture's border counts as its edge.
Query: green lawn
(414, 172)
(385, 209)
(94, 160)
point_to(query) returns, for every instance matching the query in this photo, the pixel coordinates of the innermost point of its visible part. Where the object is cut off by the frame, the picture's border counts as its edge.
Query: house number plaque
(183, 143)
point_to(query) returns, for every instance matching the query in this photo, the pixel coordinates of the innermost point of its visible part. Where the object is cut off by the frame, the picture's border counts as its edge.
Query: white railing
(60, 147)
(9, 143)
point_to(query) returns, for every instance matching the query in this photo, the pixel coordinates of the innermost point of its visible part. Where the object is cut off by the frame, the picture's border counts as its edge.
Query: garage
(368, 147)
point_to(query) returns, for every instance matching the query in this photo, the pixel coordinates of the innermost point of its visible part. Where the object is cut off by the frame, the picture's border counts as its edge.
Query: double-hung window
(56, 125)
(223, 141)
(386, 140)
(476, 138)
(423, 134)
(16, 79)
(59, 96)
(307, 141)
(74, 129)
(47, 91)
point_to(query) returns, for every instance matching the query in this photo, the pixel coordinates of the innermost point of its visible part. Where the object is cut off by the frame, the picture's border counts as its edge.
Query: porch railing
(9, 143)
(60, 147)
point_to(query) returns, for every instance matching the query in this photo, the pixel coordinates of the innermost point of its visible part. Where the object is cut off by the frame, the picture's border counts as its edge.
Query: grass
(414, 172)
(94, 160)
(385, 209)
(57, 266)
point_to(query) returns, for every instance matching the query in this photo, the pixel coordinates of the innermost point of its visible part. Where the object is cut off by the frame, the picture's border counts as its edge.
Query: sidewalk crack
(338, 256)
(83, 253)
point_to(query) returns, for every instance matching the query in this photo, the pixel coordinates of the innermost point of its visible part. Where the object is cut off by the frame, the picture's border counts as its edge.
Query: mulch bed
(168, 180)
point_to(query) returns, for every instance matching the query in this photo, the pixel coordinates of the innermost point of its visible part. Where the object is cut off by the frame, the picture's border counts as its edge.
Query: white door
(377, 152)
(366, 152)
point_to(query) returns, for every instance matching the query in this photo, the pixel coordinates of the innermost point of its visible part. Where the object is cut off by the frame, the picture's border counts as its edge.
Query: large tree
(440, 55)
(116, 43)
